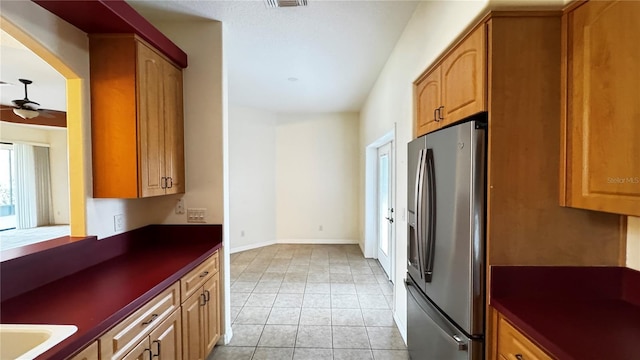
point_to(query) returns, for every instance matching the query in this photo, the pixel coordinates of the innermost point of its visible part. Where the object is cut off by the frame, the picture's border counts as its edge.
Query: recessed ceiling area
(335, 49)
(18, 62)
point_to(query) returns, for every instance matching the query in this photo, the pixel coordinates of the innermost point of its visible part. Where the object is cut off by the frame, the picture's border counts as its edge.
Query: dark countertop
(98, 297)
(574, 313)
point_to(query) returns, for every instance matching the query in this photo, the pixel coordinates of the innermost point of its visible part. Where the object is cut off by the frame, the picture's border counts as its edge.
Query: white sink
(25, 342)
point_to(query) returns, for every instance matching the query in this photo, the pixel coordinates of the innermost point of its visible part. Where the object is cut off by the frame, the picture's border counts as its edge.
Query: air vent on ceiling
(285, 3)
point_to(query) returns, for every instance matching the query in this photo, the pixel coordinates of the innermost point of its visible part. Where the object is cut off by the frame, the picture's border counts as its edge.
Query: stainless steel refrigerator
(445, 255)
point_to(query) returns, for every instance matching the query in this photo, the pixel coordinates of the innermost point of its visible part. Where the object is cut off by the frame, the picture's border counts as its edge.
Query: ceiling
(324, 57)
(321, 58)
(18, 62)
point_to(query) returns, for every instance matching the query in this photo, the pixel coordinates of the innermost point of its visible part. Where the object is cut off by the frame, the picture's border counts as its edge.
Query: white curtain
(33, 186)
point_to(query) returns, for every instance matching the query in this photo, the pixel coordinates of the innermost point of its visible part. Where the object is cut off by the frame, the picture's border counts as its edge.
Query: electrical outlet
(180, 206)
(118, 222)
(320, 228)
(196, 215)
(242, 233)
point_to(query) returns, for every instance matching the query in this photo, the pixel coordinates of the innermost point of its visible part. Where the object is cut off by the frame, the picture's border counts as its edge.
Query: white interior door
(385, 207)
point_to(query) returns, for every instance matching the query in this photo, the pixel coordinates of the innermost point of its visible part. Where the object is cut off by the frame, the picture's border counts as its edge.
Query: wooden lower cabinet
(201, 320)
(89, 353)
(164, 342)
(212, 313)
(511, 344)
(166, 329)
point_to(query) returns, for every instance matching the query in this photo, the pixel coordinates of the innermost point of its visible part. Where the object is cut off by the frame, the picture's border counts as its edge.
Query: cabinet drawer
(89, 353)
(513, 345)
(122, 337)
(192, 282)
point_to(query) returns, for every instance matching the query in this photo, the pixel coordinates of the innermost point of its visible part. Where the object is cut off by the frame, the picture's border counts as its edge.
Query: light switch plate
(196, 215)
(180, 206)
(118, 223)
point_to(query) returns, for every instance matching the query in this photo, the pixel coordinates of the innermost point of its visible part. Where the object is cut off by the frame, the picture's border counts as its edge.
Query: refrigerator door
(454, 225)
(431, 336)
(416, 157)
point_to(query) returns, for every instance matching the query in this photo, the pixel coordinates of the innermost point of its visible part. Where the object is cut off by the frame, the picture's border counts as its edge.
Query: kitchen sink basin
(25, 342)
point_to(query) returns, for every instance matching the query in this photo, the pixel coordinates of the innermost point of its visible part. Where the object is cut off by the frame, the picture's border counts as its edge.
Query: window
(7, 187)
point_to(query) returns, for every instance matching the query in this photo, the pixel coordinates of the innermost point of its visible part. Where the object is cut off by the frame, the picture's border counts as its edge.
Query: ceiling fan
(26, 108)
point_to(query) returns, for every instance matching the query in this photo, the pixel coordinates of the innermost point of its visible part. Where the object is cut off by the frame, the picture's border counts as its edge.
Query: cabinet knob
(519, 357)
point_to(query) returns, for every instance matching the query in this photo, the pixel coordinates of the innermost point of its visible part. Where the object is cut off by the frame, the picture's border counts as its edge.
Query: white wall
(317, 178)
(56, 138)
(203, 118)
(252, 178)
(433, 26)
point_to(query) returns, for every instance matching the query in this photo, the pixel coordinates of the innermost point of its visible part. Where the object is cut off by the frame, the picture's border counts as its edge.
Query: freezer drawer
(431, 336)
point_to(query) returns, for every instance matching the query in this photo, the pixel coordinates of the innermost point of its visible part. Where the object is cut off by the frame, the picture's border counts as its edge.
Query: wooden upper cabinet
(464, 79)
(151, 122)
(427, 96)
(601, 117)
(174, 129)
(455, 87)
(136, 119)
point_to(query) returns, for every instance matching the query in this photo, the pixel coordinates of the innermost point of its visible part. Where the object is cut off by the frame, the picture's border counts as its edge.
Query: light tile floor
(310, 302)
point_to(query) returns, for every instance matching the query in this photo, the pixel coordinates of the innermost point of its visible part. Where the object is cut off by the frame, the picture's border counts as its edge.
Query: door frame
(371, 198)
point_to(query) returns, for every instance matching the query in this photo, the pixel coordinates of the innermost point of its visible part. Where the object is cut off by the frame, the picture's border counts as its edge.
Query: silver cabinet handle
(519, 357)
(440, 110)
(462, 345)
(170, 179)
(163, 182)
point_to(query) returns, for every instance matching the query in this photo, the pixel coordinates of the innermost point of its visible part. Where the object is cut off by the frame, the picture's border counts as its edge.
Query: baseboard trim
(402, 327)
(228, 335)
(251, 246)
(318, 241)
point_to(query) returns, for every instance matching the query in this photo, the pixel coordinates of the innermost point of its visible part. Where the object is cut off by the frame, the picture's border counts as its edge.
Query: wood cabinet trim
(138, 39)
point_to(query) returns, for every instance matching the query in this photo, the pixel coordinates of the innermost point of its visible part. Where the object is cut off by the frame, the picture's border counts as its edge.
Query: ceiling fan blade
(45, 117)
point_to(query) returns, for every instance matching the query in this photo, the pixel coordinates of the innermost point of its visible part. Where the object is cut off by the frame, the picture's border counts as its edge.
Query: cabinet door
(464, 78)
(427, 100)
(193, 327)
(512, 344)
(173, 129)
(602, 107)
(166, 339)
(150, 122)
(212, 313)
(140, 351)
(89, 353)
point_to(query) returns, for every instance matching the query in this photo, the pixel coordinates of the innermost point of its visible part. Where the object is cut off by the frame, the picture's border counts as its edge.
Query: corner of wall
(633, 242)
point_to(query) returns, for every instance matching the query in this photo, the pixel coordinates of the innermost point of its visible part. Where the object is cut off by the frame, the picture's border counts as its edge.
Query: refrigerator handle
(418, 207)
(462, 345)
(431, 221)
